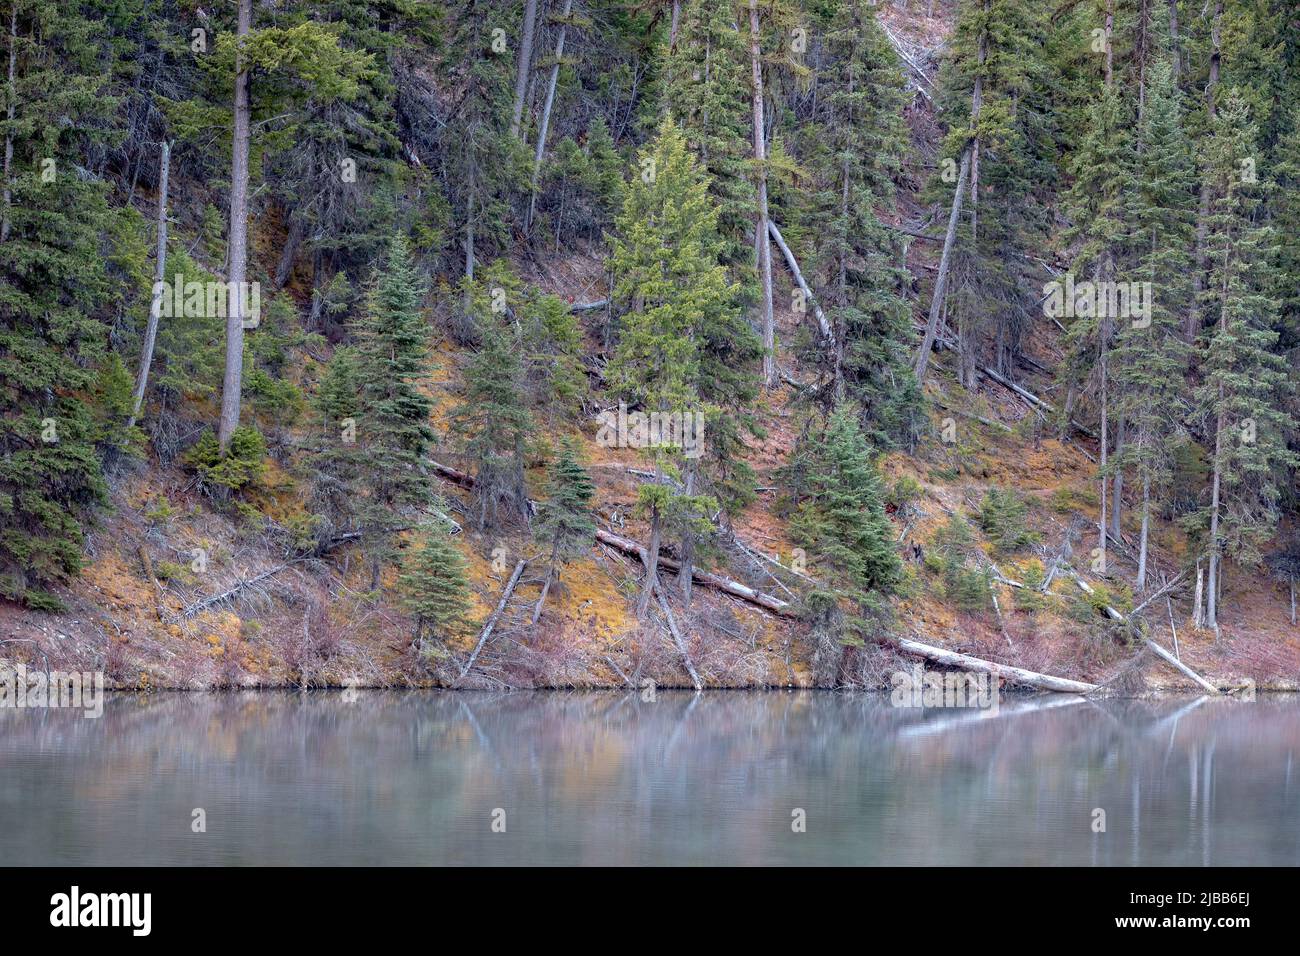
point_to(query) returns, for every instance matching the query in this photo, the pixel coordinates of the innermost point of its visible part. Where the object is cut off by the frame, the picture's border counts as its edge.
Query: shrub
(1002, 518)
(243, 463)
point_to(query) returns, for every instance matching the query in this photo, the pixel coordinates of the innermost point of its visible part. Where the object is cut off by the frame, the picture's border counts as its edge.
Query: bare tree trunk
(237, 249)
(1173, 39)
(676, 20)
(469, 223)
(685, 575)
(546, 585)
(762, 242)
(1116, 503)
(546, 114)
(1198, 615)
(160, 272)
(1203, 212)
(1211, 601)
(941, 280)
(12, 97)
(1110, 54)
(651, 566)
(1291, 581)
(522, 65)
(1141, 582)
(976, 104)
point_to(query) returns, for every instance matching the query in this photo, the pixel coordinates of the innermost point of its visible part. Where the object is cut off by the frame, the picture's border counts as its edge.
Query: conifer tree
(564, 519)
(1150, 356)
(336, 467)
(707, 89)
(1245, 391)
(855, 146)
(665, 263)
(435, 589)
(393, 428)
(54, 290)
(493, 420)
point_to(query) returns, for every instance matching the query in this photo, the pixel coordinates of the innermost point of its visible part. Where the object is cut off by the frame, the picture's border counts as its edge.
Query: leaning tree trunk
(687, 572)
(763, 244)
(941, 280)
(523, 65)
(546, 115)
(651, 566)
(1141, 582)
(237, 254)
(1116, 500)
(160, 271)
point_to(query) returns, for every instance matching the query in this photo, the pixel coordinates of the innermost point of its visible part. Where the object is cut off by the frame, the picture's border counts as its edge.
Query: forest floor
(136, 611)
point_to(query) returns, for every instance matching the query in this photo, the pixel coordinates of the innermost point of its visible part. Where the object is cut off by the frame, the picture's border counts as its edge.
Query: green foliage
(242, 465)
(564, 518)
(435, 590)
(950, 554)
(841, 518)
(1002, 519)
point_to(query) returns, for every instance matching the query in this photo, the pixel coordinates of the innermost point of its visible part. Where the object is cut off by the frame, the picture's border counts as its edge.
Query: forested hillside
(590, 342)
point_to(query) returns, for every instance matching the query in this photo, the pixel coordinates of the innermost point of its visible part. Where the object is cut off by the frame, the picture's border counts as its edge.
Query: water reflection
(414, 778)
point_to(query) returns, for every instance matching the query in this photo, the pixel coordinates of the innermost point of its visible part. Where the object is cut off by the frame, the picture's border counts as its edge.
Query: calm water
(415, 778)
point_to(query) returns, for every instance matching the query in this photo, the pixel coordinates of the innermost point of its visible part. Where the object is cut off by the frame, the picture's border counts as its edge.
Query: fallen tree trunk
(229, 593)
(1015, 675)
(1169, 658)
(715, 581)
(825, 325)
(628, 546)
(492, 621)
(678, 639)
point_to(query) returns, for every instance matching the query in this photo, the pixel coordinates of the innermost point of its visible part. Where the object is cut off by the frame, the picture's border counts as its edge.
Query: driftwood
(678, 639)
(492, 621)
(790, 261)
(1016, 675)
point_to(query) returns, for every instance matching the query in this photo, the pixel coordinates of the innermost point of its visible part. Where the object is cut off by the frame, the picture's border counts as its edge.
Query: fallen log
(790, 261)
(678, 639)
(588, 306)
(229, 593)
(492, 621)
(1015, 675)
(1169, 658)
(628, 546)
(715, 581)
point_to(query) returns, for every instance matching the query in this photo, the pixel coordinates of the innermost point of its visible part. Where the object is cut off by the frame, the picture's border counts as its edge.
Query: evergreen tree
(335, 465)
(54, 294)
(854, 145)
(665, 262)
(1150, 356)
(393, 430)
(564, 518)
(707, 89)
(435, 589)
(1245, 391)
(493, 419)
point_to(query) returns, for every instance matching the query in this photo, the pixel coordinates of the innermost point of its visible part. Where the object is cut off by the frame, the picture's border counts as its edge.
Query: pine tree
(841, 518)
(493, 420)
(435, 589)
(707, 88)
(855, 146)
(393, 429)
(335, 465)
(564, 521)
(1246, 390)
(1150, 356)
(54, 295)
(665, 262)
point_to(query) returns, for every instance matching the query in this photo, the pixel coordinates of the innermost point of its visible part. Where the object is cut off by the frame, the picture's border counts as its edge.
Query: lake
(430, 777)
